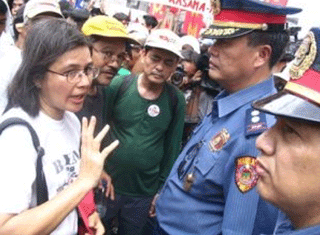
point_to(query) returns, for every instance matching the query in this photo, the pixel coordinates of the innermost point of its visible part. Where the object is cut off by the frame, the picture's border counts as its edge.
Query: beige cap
(37, 7)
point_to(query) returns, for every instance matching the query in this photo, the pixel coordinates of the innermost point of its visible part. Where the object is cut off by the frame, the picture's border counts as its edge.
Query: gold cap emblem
(216, 6)
(304, 56)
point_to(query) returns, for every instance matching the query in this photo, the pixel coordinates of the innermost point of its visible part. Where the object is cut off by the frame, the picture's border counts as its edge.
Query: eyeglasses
(109, 56)
(75, 76)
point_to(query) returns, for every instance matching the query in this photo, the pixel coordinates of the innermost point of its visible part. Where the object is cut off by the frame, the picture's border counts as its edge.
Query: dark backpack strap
(41, 184)
(172, 90)
(127, 80)
(125, 85)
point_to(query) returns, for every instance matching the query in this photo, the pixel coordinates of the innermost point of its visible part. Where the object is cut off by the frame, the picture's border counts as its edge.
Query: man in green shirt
(147, 118)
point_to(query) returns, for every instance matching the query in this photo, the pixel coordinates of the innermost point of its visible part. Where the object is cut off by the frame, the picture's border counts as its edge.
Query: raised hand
(92, 160)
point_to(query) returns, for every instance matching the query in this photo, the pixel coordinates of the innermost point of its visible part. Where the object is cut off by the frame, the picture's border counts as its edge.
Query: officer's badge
(216, 7)
(304, 56)
(219, 140)
(246, 175)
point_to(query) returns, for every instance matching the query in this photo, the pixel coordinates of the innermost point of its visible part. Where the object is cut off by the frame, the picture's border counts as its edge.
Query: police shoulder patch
(256, 122)
(246, 175)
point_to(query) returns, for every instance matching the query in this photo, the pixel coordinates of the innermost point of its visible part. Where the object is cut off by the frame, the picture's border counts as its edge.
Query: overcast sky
(310, 15)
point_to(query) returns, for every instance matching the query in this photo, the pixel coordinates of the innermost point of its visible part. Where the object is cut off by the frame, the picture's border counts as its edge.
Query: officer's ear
(263, 55)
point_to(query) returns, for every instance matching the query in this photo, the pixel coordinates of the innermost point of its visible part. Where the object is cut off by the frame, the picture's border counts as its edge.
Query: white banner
(199, 6)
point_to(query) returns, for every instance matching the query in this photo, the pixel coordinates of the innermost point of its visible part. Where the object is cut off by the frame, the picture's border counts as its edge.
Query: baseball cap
(234, 18)
(300, 98)
(106, 26)
(192, 41)
(37, 7)
(165, 39)
(138, 32)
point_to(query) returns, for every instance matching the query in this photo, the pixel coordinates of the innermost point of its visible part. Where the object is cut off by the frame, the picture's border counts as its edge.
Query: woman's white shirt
(60, 140)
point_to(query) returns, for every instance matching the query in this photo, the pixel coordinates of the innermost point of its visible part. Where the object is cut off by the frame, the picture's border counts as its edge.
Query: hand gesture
(92, 160)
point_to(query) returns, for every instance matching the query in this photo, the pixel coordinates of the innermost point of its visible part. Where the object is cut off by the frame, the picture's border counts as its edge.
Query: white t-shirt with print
(60, 140)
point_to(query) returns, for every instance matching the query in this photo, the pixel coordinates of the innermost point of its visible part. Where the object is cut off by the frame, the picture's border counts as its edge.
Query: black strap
(41, 184)
(172, 90)
(127, 80)
(125, 84)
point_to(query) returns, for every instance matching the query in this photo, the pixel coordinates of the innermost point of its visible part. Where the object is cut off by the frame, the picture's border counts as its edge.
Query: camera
(177, 77)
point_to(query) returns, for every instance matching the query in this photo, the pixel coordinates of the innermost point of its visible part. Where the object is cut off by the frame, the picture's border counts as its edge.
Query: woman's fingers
(107, 150)
(112, 196)
(102, 133)
(84, 131)
(92, 125)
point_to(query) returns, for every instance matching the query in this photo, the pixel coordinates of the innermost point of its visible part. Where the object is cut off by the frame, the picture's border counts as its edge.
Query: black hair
(150, 20)
(277, 41)
(3, 7)
(65, 8)
(46, 41)
(121, 16)
(190, 56)
(79, 15)
(18, 19)
(10, 3)
(96, 11)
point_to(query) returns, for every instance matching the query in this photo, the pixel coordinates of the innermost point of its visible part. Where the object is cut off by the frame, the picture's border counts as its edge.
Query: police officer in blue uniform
(209, 190)
(289, 164)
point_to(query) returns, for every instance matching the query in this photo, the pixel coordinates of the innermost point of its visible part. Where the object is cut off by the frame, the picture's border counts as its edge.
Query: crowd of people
(116, 127)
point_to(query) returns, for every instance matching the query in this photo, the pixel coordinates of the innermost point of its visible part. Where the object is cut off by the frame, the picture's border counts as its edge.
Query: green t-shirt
(149, 138)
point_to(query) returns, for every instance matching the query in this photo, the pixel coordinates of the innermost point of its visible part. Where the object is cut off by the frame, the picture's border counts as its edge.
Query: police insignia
(216, 7)
(246, 176)
(256, 122)
(305, 56)
(219, 140)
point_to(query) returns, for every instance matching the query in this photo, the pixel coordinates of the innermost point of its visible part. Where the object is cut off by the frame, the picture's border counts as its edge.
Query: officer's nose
(266, 143)
(213, 50)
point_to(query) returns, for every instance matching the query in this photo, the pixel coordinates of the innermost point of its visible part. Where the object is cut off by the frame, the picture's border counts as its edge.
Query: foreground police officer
(209, 188)
(289, 165)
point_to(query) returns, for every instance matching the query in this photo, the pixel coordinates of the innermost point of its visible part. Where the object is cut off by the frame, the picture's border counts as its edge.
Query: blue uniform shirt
(284, 227)
(214, 204)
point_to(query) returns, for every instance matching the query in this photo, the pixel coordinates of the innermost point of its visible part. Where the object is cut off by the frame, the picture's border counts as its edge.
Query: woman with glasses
(51, 84)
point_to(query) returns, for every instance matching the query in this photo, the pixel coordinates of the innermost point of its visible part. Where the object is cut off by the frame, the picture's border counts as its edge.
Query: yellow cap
(105, 26)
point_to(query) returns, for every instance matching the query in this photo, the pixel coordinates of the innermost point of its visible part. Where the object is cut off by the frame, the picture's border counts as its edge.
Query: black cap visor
(288, 105)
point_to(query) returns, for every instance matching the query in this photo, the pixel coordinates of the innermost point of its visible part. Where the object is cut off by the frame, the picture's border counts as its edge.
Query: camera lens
(177, 78)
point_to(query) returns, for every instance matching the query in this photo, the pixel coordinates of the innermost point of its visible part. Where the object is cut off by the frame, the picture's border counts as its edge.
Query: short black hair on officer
(277, 40)
(150, 20)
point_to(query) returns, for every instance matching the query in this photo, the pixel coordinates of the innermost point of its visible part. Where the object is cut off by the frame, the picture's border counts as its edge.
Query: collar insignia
(246, 176)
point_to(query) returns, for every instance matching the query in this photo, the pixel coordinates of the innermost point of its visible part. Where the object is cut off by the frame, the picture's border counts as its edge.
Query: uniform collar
(228, 103)
(284, 227)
